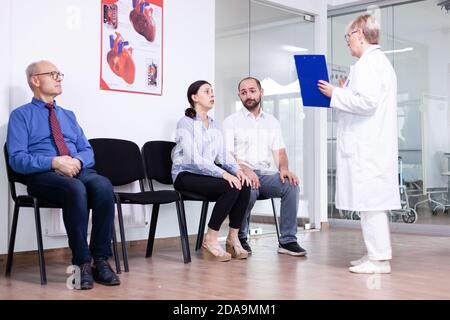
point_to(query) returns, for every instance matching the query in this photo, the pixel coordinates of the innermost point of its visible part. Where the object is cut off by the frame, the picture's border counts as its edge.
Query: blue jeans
(272, 187)
(76, 195)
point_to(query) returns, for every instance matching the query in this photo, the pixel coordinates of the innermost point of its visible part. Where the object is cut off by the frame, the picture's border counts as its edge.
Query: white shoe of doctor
(372, 267)
(359, 261)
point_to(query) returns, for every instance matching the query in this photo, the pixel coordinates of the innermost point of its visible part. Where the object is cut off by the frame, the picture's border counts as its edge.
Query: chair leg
(183, 218)
(183, 214)
(275, 218)
(152, 231)
(122, 234)
(201, 226)
(37, 217)
(116, 250)
(12, 240)
(183, 233)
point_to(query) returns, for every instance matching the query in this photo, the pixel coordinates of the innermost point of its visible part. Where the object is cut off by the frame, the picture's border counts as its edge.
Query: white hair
(369, 26)
(31, 70)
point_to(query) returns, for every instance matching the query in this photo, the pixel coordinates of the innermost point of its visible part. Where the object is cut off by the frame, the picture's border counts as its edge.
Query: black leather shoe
(104, 274)
(86, 279)
(245, 245)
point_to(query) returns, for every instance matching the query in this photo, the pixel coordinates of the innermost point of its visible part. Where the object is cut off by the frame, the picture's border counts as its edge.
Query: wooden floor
(421, 270)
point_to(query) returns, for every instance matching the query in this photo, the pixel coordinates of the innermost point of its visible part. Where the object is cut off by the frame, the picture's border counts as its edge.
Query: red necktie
(56, 131)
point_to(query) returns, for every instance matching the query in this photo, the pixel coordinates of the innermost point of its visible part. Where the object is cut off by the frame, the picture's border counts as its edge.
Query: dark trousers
(229, 201)
(76, 195)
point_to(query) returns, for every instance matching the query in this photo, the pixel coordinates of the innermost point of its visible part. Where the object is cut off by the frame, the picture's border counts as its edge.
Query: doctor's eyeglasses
(54, 74)
(348, 35)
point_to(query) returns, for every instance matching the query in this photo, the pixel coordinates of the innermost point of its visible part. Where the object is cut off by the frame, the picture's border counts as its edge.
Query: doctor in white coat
(367, 151)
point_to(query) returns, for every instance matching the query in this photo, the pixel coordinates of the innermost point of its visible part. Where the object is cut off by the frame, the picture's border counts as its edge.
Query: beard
(251, 104)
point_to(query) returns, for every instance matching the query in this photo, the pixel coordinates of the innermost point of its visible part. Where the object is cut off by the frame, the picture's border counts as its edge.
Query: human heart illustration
(142, 19)
(119, 58)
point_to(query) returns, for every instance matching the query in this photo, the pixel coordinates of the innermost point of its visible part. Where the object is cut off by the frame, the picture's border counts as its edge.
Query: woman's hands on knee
(232, 180)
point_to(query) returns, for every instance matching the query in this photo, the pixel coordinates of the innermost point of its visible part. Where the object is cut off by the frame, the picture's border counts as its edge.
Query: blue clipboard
(310, 69)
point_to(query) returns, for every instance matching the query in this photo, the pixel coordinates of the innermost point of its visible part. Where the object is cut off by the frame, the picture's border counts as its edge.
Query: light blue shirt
(198, 148)
(30, 143)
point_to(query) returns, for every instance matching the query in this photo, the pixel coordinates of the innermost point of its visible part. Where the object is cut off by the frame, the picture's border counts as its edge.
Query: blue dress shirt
(198, 148)
(30, 143)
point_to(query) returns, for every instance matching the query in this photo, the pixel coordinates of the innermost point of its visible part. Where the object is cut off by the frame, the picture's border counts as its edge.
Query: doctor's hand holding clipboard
(366, 142)
(327, 88)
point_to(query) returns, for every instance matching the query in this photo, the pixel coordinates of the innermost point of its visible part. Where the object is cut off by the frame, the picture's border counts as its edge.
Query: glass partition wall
(256, 39)
(416, 38)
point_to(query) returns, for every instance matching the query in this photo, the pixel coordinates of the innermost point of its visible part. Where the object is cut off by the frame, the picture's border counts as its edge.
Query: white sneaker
(372, 267)
(359, 261)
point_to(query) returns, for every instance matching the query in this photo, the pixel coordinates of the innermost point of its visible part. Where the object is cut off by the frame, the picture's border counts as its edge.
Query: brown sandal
(234, 253)
(209, 255)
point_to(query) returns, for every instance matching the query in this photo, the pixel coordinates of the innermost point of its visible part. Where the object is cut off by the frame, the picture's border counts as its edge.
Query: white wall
(67, 32)
(5, 56)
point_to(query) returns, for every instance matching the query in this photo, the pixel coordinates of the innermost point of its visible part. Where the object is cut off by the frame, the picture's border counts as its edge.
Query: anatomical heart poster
(131, 46)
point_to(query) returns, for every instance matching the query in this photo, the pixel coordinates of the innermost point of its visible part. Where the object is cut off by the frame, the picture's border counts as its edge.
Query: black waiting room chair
(121, 162)
(158, 163)
(28, 201)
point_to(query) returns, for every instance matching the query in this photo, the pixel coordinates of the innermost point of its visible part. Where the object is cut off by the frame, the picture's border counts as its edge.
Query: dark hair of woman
(193, 89)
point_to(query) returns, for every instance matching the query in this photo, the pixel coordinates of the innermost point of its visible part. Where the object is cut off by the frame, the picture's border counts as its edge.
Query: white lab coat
(367, 147)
